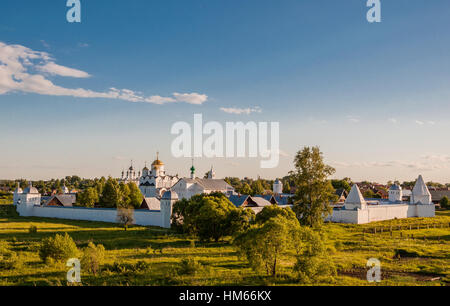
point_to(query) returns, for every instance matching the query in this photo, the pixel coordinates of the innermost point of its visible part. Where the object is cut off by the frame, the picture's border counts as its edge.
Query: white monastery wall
(382, 213)
(141, 217)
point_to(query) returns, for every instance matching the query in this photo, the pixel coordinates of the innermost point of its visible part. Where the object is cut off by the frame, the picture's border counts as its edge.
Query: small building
(342, 194)
(151, 204)
(438, 195)
(268, 197)
(357, 210)
(62, 200)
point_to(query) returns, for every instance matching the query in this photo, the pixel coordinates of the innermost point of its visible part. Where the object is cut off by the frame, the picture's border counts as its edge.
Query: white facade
(155, 182)
(277, 187)
(357, 211)
(29, 196)
(395, 193)
(32, 208)
(188, 187)
(130, 176)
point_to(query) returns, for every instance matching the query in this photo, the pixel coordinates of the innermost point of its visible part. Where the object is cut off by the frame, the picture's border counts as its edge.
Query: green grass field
(427, 259)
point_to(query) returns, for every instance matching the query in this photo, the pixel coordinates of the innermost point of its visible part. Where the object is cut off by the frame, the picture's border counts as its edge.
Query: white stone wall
(141, 217)
(382, 213)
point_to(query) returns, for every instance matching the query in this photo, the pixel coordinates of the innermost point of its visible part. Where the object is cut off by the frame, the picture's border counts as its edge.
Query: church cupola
(277, 187)
(211, 174)
(395, 193)
(157, 166)
(192, 170)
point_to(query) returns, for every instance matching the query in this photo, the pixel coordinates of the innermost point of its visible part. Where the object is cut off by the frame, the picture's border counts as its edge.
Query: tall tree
(88, 197)
(111, 196)
(246, 189)
(257, 188)
(314, 191)
(135, 196)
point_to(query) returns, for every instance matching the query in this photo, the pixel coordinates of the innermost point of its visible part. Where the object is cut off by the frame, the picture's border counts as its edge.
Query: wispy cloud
(428, 163)
(26, 70)
(353, 119)
(240, 111)
(393, 120)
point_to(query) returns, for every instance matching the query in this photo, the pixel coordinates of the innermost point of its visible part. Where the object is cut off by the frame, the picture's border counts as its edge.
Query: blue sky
(374, 97)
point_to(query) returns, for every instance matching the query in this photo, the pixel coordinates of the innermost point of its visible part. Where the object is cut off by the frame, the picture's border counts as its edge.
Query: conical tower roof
(420, 189)
(355, 196)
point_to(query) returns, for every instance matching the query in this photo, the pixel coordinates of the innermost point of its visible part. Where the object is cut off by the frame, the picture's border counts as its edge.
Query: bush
(93, 257)
(124, 268)
(189, 266)
(445, 203)
(402, 253)
(59, 248)
(9, 261)
(32, 229)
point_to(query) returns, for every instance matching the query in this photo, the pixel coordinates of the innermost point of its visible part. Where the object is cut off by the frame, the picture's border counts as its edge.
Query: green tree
(124, 191)
(369, 194)
(312, 264)
(246, 189)
(93, 257)
(88, 197)
(210, 216)
(445, 203)
(125, 216)
(264, 244)
(314, 191)
(111, 196)
(58, 248)
(344, 184)
(273, 211)
(257, 188)
(135, 196)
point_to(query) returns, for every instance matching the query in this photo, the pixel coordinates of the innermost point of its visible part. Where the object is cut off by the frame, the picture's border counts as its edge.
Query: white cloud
(56, 69)
(191, 98)
(419, 122)
(24, 70)
(393, 120)
(353, 119)
(240, 111)
(431, 163)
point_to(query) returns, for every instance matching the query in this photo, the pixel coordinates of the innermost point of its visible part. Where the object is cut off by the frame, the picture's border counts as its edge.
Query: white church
(357, 210)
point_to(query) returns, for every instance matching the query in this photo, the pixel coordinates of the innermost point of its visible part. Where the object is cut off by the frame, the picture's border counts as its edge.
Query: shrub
(3, 247)
(124, 268)
(402, 253)
(10, 260)
(445, 203)
(58, 248)
(32, 229)
(93, 257)
(189, 266)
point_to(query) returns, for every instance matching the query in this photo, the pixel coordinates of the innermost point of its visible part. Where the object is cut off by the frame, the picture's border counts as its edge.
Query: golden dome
(157, 163)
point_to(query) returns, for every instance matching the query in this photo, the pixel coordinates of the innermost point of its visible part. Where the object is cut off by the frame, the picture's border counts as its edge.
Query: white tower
(277, 187)
(420, 193)
(211, 174)
(395, 193)
(27, 200)
(168, 199)
(17, 194)
(65, 190)
(355, 199)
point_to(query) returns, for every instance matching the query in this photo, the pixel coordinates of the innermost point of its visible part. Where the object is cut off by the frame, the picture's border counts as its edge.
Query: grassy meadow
(153, 256)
